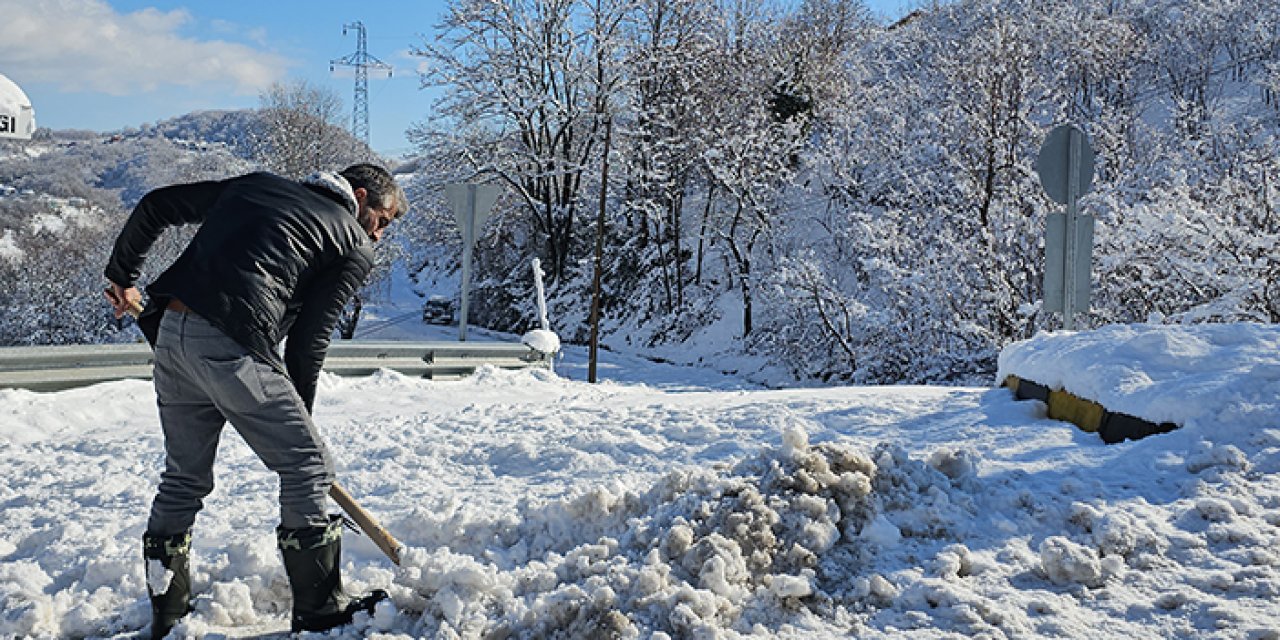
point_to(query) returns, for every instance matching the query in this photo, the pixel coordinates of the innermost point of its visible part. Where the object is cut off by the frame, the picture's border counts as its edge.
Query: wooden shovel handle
(380, 536)
(135, 308)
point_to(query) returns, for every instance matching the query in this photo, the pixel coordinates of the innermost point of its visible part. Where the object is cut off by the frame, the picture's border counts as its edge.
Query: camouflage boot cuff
(310, 537)
(164, 547)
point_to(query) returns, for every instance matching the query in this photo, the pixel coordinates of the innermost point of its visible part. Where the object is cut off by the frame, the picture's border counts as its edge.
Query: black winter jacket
(272, 259)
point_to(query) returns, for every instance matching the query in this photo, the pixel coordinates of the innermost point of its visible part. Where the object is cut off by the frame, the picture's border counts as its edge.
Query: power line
(362, 62)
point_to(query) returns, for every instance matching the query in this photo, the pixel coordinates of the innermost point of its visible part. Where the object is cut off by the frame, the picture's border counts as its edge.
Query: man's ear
(361, 195)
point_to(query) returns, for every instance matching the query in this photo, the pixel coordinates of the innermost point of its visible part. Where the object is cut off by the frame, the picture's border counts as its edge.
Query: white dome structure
(17, 117)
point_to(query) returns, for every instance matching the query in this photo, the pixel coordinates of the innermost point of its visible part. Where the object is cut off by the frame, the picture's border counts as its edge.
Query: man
(273, 260)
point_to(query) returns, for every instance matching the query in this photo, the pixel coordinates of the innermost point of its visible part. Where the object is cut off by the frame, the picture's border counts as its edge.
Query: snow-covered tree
(521, 106)
(298, 131)
(668, 52)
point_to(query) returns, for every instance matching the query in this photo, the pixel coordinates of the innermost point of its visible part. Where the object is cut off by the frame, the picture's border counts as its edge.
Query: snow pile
(9, 249)
(541, 340)
(701, 554)
(1065, 563)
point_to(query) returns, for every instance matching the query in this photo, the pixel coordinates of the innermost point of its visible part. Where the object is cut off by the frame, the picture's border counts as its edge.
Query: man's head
(380, 199)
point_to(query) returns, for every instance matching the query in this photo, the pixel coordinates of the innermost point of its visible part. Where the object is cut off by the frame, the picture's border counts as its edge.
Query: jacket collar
(336, 184)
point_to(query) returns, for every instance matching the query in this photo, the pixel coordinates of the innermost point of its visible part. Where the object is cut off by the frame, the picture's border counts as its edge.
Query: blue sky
(108, 64)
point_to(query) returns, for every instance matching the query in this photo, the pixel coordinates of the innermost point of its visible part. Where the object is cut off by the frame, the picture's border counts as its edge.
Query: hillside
(63, 196)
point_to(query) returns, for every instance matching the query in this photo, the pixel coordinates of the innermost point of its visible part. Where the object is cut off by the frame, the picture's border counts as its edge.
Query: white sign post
(1065, 165)
(542, 339)
(471, 204)
(538, 273)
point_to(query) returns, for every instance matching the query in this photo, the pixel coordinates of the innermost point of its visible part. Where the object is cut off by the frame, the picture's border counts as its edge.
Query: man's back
(271, 255)
(262, 243)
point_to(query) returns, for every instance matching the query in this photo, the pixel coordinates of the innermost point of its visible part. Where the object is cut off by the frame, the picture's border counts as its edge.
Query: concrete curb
(1090, 416)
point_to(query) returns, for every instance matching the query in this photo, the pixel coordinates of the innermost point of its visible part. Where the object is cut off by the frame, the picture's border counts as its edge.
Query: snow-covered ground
(677, 502)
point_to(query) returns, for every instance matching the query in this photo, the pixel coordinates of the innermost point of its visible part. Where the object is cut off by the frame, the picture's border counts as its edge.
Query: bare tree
(519, 76)
(669, 50)
(525, 102)
(749, 147)
(299, 131)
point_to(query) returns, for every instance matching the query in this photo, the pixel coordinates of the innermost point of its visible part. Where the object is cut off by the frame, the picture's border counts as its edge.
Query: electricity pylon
(362, 62)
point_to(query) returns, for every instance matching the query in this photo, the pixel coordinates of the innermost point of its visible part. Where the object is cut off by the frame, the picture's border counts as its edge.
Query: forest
(851, 200)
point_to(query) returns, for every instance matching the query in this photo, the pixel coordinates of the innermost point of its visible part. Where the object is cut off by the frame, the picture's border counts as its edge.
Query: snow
(1197, 375)
(9, 249)
(542, 340)
(675, 502)
(158, 577)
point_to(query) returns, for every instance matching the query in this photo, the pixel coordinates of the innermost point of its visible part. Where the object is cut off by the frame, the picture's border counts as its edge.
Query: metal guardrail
(53, 368)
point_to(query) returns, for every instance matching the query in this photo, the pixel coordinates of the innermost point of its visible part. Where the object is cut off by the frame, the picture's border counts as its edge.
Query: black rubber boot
(165, 555)
(313, 559)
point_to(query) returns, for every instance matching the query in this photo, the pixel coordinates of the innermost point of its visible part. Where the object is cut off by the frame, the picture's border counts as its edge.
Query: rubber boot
(168, 571)
(313, 560)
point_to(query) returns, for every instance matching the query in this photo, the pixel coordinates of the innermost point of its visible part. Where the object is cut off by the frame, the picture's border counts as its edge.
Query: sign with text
(17, 117)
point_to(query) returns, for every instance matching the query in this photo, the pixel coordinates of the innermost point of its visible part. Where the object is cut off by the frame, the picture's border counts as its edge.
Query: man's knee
(188, 487)
(304, 496)
(310, 481)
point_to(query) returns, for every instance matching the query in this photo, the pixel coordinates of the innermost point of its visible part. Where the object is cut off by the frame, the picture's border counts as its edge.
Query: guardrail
(53, 368)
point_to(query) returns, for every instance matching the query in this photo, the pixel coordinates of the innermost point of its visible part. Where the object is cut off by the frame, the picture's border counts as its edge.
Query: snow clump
(703, 553)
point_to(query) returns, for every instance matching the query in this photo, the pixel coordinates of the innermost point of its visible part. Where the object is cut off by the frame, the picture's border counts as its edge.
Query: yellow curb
(1086, 414)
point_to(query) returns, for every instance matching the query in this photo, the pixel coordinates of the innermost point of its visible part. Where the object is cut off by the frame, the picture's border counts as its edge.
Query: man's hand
(123, 300)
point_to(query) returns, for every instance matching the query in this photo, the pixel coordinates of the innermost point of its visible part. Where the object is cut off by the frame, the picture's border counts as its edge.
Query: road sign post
(1065, 165)
(471, 204)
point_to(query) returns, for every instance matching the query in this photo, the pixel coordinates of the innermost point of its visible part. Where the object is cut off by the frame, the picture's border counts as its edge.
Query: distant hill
(65, 193)
(114, 169)
(234, 129)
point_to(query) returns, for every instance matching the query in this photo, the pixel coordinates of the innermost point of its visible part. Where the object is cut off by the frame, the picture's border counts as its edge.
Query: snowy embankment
(535, 505)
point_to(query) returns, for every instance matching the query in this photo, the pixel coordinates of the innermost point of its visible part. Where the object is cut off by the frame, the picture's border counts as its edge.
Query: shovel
(370, 526)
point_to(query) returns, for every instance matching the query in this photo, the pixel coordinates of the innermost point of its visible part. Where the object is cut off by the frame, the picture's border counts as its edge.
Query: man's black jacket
(272, 259)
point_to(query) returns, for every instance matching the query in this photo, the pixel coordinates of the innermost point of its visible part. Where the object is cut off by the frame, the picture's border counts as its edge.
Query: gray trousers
(205, 379)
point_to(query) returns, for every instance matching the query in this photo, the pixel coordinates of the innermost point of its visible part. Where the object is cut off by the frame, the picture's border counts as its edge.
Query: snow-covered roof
(17, 116)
